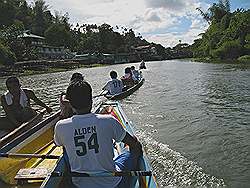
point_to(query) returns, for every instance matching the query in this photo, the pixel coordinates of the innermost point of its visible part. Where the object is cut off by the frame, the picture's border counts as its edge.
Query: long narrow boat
(40, 172)
(127, 92)
(7, 136)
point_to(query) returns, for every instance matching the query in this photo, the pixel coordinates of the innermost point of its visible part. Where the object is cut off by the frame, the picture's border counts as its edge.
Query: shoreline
(27, 72)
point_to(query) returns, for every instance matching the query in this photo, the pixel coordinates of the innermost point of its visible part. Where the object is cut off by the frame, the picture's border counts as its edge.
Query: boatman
(66, 108)
(113, 86)
(16, 104)
(88, 140)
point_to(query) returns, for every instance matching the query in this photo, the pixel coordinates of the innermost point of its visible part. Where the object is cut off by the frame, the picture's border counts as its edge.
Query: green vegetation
(17, 16)
(228, 35)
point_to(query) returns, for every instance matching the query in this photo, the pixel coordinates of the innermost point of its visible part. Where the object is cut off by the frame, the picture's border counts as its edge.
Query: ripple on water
(173, 169)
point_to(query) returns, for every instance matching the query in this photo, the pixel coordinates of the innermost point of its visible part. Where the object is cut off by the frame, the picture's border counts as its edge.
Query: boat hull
(127, 92)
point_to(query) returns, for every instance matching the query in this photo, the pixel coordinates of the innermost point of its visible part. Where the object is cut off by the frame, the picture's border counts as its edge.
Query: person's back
(66, 108)
(127, 79)
(114, 86)
(91, 148)
(88, 140)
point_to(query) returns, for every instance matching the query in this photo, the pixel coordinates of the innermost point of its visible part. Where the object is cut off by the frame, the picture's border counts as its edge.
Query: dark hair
(79, 94)
(128, 70)
(76, 76)
(11, 80)
(113, 74)
(132, 67)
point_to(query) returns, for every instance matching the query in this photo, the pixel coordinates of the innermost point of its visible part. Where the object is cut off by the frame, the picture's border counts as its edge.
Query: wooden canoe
(6, 136)
(126, 93)
(39, 140)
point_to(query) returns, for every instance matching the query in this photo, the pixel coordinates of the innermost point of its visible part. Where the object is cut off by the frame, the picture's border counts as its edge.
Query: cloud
(152, 16)
(163, 21)
(167, 4)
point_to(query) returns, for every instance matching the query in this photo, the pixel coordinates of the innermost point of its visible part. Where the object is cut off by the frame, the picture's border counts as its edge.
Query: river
(192, 118)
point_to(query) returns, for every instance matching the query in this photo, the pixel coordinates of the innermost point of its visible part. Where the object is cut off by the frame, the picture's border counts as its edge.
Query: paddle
(102, 174)
(21, 155)
(101, 94)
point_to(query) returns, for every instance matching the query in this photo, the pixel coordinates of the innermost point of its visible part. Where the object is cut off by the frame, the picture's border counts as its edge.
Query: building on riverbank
(44, 51)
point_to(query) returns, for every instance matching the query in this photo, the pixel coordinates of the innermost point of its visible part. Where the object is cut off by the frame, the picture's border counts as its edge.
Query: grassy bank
(243, 59)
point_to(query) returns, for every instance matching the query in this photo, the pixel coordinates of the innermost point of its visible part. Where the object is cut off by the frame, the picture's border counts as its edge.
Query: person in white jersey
(113, 86)
(88, 141)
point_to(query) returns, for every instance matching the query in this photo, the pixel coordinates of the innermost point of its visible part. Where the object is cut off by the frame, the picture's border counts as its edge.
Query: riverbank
(242, 59)
(41, 70)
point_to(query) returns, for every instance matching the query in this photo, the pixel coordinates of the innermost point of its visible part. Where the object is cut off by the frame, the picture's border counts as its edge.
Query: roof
(29, 35)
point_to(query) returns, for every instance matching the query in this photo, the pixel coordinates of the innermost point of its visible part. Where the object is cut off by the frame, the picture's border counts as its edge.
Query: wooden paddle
(22, 155)
(101, 94)
(102, 174)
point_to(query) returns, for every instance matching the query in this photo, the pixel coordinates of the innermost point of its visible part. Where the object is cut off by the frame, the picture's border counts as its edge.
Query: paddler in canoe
(66, 108)
(88, 140)
(127, 78)
(113, 86)
(16, 104)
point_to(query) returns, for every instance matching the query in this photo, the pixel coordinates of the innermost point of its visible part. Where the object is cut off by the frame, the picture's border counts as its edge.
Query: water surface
(193, 118)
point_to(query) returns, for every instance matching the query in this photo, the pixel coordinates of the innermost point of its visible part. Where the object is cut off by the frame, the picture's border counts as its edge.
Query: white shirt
(88, 140)
(135, 75)
(114, 86)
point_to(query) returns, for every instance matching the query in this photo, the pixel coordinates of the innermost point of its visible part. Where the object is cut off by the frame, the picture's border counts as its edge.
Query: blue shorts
(125, 162)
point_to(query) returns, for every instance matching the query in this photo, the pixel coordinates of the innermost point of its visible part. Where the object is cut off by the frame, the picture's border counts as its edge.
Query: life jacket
(23, 101)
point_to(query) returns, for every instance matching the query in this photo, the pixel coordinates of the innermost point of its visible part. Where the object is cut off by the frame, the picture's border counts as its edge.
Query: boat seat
(26, 174)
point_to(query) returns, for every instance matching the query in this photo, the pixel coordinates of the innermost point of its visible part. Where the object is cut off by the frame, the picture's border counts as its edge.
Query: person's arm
(32, 96)
(135, 146)
(8, 112)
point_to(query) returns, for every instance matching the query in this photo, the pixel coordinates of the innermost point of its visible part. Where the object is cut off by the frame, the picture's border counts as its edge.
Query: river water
(192, 118)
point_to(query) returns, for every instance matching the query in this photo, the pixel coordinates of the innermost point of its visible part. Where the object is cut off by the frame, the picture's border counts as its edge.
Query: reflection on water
(193, 118)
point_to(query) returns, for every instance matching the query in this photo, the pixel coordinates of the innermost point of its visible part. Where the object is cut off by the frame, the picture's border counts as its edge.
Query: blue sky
(160, 21)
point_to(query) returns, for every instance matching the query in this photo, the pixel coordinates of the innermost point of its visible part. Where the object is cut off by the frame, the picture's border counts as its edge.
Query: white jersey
(114, 86)
(88, 140)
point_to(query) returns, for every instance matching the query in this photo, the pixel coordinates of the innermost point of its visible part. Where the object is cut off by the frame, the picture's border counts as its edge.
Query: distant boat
(126, 93)
(142, 65)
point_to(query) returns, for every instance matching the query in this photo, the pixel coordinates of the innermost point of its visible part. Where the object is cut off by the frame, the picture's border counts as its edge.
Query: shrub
(229, 50)
(6, 56)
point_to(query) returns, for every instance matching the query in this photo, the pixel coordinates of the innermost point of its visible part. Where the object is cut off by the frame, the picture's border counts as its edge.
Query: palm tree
(216, 11)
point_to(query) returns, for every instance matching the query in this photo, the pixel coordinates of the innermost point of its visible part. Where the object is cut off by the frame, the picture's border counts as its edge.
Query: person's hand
(48, 109)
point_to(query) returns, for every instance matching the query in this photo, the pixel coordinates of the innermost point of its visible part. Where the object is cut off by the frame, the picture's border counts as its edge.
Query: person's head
(113, 74)
(76, 76)
(13, 85)
(79, 94)
(127, 70)
(132, 67)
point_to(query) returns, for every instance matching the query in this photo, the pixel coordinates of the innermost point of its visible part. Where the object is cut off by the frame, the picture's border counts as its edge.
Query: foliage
(245, 58)
(228, 33)
(6, 56)
(229, 50)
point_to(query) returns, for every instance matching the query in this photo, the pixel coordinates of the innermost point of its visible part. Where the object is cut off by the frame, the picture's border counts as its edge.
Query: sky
(160, 21)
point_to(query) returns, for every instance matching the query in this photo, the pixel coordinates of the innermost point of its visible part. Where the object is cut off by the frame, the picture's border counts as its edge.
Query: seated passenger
(135, 74)
(16, 104)
(113, 86)
(88, 141)
(66, 108)
(127, 79)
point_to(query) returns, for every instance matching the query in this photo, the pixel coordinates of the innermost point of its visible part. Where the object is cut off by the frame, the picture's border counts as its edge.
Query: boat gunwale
(22, 137)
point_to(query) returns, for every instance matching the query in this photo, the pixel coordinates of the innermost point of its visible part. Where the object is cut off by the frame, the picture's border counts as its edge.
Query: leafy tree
(42, 18)
(7, 57)
(57, 35)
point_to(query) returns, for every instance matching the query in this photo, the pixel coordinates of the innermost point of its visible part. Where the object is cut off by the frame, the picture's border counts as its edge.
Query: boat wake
(174, 170)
